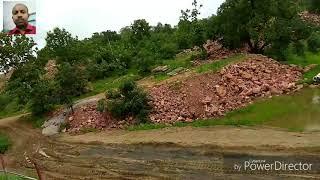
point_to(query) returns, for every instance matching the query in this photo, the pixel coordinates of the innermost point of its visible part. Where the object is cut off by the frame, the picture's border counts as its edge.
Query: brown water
(303, 111)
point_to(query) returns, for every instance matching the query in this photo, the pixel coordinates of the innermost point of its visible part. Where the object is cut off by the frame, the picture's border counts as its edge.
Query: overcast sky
(84, 17)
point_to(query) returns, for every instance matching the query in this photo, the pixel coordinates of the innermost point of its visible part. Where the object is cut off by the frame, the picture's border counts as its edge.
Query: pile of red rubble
(214, 94)
(87, 116)
(216, 51)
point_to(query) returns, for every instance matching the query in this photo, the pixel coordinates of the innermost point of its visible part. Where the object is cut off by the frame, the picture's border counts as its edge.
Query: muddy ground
(174, 153)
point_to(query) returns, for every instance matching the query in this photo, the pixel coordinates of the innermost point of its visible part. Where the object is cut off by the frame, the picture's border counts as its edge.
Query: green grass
(12, 108)
(292, 112)
(102, 85)
(10, 177)
(185, 63)
(308, 76)
(182, 61)
(217, 65)
(147, 126)
(309, 58)
(161, 77)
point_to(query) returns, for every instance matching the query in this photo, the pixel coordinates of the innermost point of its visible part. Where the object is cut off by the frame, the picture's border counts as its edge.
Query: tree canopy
(261, 24)
(15, 51)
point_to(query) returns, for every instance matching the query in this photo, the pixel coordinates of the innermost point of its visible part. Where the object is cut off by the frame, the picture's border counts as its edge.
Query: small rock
(207, 100)
(189, 120)
(300, 86)
(160, 69)
(221, 91)
(256, 90)
(246, 75)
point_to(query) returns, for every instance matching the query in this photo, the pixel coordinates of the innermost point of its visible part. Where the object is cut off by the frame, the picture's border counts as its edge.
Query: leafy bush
(314, 42)
(145, 66)
(133, 102)
(4, 143)
(44, 97)
(23, 81)
(4, 101)
(201, 55)
(71, 81)
(314, 6)
(262, 25)
(112, 94)
(101, 105)
(105, 64)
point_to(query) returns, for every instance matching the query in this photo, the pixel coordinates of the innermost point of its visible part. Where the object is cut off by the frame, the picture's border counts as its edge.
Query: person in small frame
(20, 16)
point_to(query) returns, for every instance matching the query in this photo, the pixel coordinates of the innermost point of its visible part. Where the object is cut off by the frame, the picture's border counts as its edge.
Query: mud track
(159, 155)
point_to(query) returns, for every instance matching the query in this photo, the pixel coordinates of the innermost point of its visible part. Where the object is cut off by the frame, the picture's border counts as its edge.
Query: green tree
(262, 24)
(191, 31)
(58, 40)
(23, 81)
(15, 51)
(105, 37)
(140, 29)
(191, 15)
(71, 81)
(44, 97)
(105, 64)
(129, 101)
(314, 6)
(314, 42)
(65, 48)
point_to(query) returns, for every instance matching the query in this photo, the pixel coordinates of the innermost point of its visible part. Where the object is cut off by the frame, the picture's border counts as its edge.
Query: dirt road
(184, 153)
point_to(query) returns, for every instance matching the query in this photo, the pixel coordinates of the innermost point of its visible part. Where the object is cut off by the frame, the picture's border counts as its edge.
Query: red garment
(29, 30)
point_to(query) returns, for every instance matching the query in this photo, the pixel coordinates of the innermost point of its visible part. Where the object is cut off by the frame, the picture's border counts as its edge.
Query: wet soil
(185, 153)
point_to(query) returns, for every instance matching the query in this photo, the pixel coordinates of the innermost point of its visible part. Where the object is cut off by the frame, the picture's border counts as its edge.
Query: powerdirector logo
(293, 164)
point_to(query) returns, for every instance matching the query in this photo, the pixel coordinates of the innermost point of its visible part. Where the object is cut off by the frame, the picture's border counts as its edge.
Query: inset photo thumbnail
(19, 17)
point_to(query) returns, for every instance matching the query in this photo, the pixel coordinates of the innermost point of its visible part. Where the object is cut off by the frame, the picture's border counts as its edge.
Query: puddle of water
(305, 116)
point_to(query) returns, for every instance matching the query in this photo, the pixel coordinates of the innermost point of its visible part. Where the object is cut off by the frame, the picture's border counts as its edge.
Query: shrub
(4, 143)
(314, 6)
(101, 105)
(314, 42)
(200, 55)
(44, 98)
(4, 101)
(112, 94)
(133, 102)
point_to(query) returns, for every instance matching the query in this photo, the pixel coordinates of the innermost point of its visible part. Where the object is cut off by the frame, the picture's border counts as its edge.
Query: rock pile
(87, 116)
(214, 94)
(216, 51)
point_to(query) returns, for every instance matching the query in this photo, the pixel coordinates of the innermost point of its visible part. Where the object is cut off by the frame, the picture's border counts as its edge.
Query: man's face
(20, 15)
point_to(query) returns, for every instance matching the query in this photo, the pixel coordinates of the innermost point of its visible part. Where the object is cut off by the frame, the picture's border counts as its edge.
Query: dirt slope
(214, 94)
